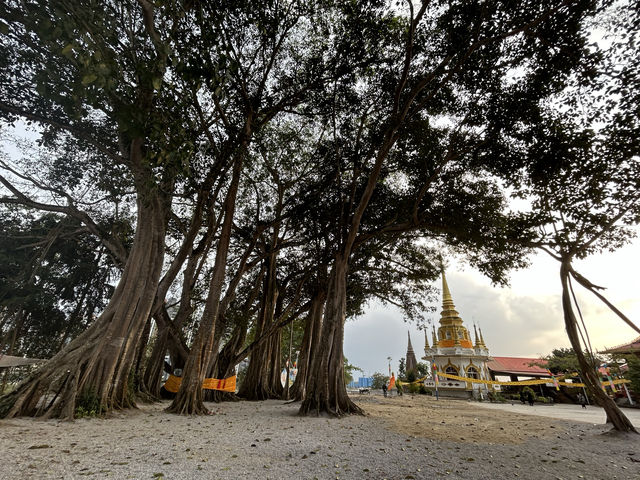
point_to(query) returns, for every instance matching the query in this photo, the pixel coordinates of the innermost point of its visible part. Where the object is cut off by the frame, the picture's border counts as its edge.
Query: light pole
(389, 360)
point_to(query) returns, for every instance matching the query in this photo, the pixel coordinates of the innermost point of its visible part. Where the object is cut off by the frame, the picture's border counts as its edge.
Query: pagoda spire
(482, 344)
(426, 340)
(411, 362)
(446, 294)
(475, 331)
(452, 331)
(449, 315)
(434, 337)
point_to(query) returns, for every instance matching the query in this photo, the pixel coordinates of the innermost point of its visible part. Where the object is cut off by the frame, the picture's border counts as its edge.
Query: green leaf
(157, 82)
(4, 28)
(89, 78)
(67, 50)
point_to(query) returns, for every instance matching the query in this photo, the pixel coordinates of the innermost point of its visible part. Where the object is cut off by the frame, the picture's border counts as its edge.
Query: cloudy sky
(524, 319)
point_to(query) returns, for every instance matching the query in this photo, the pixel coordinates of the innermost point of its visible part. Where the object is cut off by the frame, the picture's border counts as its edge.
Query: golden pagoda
(453, 352)
(452, 332)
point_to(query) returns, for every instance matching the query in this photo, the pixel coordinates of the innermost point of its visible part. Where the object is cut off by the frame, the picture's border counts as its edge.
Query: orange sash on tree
(227, 385)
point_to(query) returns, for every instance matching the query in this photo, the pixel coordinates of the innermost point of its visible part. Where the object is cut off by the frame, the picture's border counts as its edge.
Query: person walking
(384, 389)
(583, 400)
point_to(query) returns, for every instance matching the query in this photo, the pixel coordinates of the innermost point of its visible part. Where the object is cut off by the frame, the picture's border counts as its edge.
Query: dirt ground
(456, 420)
(398, 439)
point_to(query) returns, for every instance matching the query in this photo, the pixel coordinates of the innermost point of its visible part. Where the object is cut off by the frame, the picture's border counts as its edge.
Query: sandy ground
(399, 438)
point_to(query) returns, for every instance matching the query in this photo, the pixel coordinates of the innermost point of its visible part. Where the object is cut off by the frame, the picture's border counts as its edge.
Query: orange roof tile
(632, 346)
(517, 366)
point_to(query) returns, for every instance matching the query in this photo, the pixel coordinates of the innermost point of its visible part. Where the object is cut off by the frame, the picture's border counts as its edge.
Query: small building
(516, 367)
(631, 348)
(362, 382)
(454, 352)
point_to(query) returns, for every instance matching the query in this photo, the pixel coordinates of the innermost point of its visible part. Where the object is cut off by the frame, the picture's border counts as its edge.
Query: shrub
(87, 404)
(414, 388)
(497, 397)
(527, 394)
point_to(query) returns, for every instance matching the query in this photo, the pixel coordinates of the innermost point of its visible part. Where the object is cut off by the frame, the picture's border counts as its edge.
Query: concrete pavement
(591, 414)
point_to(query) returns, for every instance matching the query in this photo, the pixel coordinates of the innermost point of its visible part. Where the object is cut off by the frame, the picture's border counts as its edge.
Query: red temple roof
(632, 346)
(517, 366)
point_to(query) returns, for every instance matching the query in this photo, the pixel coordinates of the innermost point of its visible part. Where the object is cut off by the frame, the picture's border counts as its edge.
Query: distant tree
(349, 370)
(379, 379)
(53, 280)
(402, 369)
(423, 369)
(565, 360)
(633, 373)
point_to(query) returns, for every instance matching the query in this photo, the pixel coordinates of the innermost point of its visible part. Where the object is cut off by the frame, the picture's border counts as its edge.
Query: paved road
(564, 411)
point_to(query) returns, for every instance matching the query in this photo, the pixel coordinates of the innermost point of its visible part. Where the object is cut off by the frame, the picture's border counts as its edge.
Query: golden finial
(446, 294)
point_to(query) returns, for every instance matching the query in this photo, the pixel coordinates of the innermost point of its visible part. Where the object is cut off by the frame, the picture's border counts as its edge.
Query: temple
(454, 352)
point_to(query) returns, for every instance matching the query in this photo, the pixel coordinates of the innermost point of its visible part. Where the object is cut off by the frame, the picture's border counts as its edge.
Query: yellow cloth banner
(227, 385)
(418, 381)
(524, 382)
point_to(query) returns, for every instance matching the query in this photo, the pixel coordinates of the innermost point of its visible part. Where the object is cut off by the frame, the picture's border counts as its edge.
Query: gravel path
(400, 438)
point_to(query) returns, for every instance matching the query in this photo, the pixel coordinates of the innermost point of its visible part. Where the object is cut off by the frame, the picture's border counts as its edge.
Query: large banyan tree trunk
(98, 362)
(169, 331)
(167, 339)
(258, 382)
(614, 414)
(225, 366)
(326, 390)
(190, 398)
(138, 366)
(212, 370)
(230, 355)
(150, 384)
(310, 341)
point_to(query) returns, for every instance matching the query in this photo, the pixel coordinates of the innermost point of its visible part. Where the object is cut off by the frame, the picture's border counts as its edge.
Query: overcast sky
(524, 319)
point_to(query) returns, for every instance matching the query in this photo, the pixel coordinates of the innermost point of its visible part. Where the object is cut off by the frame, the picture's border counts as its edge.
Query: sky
(522, 320)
